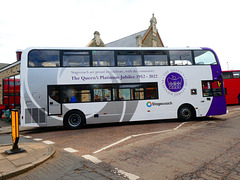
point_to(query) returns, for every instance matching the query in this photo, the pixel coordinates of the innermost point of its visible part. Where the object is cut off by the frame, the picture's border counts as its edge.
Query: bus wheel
(186, 113)
(74, 120)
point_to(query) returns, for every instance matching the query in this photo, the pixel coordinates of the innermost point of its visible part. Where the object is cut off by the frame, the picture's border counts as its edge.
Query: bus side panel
(34, 98)
(166, 107)
(232, 90)
(98, 112)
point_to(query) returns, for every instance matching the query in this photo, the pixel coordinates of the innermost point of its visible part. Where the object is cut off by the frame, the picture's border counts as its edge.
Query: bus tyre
(186, 113)
(74, 120)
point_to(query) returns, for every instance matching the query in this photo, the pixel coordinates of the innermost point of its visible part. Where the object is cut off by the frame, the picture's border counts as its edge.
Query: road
(207, 148)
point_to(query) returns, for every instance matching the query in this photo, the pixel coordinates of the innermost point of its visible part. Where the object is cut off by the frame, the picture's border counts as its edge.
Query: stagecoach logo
(149, 104)
(174, 82)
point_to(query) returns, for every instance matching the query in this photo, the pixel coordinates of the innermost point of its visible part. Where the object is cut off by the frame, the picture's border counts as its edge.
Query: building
(146, 38)
(10, 74)
(10, 86)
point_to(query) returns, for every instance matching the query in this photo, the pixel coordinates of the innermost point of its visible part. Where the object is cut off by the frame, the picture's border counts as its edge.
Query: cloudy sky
(71, 23)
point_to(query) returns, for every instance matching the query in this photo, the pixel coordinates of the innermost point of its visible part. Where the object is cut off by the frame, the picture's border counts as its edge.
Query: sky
(71, 23)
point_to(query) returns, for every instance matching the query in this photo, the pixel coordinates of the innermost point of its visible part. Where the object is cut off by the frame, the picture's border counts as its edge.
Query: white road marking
(157, 132)
(71, 150)
(122, 140)
(92, 159)
(48, 142)
(126, 174)
(117, 171)
(179, 126)
(28, 137)
(37, 139)
(137, 135)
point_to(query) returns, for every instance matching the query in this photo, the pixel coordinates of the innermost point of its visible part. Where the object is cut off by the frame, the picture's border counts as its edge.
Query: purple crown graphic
(174, 82)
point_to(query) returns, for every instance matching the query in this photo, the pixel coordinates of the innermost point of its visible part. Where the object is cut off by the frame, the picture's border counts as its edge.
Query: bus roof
(118, 48)
(231, 71)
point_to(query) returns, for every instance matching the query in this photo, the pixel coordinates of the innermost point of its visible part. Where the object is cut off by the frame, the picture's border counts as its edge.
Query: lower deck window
(129, 92)
(103, 92)
(75, 94)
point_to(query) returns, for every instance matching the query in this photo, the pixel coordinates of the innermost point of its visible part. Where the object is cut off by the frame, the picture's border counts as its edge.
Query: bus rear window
(204, 57)
(211, 88)
(43, 58)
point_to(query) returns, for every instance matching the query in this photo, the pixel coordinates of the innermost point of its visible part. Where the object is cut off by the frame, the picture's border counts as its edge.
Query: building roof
(8, 66)
(3, 65)
(129, 41)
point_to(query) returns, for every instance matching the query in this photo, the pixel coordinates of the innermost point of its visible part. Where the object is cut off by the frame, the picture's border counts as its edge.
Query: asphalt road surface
(206, 148)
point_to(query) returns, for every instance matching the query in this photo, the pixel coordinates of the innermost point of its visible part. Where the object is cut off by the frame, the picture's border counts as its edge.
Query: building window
(11, 92)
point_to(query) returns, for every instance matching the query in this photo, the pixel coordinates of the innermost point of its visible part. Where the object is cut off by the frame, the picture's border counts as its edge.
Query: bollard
(15, 133)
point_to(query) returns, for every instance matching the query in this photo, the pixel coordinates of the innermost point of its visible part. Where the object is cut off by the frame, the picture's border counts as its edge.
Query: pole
(15, 133)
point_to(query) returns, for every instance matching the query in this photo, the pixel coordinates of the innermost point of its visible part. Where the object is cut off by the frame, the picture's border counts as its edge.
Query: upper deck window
(227, 75)
(155, 58)
(204, 57)
(43, 58)
(180, 58)
(236, 74)
(120, 58)
(129, 58)
(76, 58)
(103, 58)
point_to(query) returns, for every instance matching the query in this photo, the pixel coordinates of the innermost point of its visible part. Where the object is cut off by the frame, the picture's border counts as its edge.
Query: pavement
(14, 164)
(58, 164)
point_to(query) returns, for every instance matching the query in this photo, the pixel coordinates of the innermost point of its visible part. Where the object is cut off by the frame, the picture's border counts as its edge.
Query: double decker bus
(11, 93)
(77, 86)
(231, 80)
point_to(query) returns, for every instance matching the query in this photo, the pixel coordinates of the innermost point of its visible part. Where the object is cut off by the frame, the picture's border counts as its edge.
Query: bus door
(54, 103)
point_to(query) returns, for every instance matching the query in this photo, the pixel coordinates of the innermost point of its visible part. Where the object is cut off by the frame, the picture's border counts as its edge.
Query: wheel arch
(187, 105)
(72, 111)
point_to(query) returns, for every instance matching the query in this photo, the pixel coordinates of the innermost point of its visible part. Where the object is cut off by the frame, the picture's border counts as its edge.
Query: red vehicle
(11, 92)
(231, 80)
